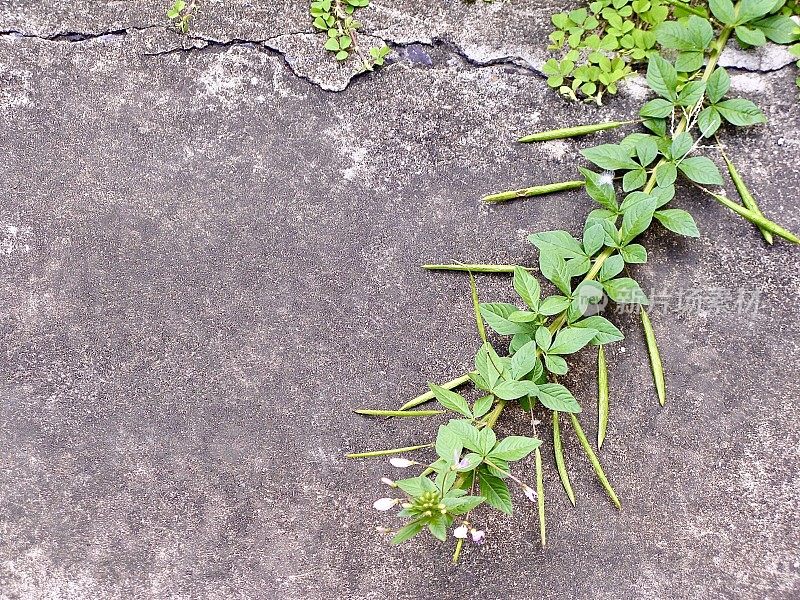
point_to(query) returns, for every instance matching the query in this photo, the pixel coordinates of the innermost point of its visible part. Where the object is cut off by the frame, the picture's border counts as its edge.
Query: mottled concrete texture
(208, 261)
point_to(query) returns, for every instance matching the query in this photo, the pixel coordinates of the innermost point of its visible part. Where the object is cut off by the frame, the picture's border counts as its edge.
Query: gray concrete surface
(208, 261)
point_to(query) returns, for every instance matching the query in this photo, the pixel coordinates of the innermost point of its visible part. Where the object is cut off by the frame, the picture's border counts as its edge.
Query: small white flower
(606, 178)
(478, 535)
(389, 482)
(722, 192)
(401, 463)
(384, 503)
(536, 422)
(461, 532)
(530, 493)
(382, 529)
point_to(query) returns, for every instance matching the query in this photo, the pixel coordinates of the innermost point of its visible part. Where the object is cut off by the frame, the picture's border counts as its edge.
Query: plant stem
(687, 8)
(389, 451)
(753, 217)
(457, 553)
(558, 450)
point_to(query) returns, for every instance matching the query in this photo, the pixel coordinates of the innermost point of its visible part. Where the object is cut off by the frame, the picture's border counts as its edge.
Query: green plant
(336, 19)
(180, 13)
(632, 189)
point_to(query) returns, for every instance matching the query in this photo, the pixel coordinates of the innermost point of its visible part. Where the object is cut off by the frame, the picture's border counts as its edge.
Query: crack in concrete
(403, 52)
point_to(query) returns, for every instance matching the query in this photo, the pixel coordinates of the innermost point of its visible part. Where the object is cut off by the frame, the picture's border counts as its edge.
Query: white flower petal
(384, 503)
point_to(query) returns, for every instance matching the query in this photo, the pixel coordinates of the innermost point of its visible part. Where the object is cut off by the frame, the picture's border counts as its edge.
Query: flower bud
(401, 463)
(461, 532)
(384, 503)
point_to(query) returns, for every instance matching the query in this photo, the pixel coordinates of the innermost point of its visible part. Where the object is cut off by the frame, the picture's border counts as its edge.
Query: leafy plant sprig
(635, 184)
(180, 13)
(336, 19)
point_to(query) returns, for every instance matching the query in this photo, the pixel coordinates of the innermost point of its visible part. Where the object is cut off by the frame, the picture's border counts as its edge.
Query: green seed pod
(747, 197)
(567, 132)
(539, 190)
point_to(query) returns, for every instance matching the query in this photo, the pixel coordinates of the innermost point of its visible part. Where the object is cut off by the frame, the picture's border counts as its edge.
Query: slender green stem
(577, 130)
(457, 553)
(373, 412)
(476, 308)
(389, 451)
(598, 469)
(492, 417)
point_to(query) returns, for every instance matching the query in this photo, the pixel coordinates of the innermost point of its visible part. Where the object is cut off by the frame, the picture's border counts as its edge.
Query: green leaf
(637, 218)
(438, 527)
(552, 305)
(625, 290)
(556, 397)
(512, 390)
(523, 360)
(611, 268)
(723, 11)
(416, 486)
(679, 221)
(495, 491)
(482, 406)
(460, 506)
(544, 338)
(555, 364)
(593, 239)
(681, 144)
(718, 85)
(740, 112)
(602, 193)
(332, 44)
(662, 77)
(571, 340)
(514, 447)
(695, 34)
(451, 400)
(555, 270)
(560, 243)
(778, 28)
(656, 108)
(750, 37)
(634, 254)
(709, 121)
(486, 441)
(408, 532)
(496, 316)
(688, 62)
(752, 9)
(609, 156)
(605, 331)
(666, 173)
(527, 286)
(691, 93)
(701, 170)
(634, 179)
(448, 443)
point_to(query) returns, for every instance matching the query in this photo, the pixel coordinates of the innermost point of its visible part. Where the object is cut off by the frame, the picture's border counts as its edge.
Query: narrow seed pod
(598, 469)
(539, 190)
(655, 358)
(567, 132)
(472, 268)
(755, 218)
(388, 452)
(602, 396)
(558, 449)
(747, 197)
(397, 413)
(540, 496)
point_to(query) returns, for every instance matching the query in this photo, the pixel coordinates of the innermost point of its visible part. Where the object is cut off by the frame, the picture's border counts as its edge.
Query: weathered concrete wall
(209, 261)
